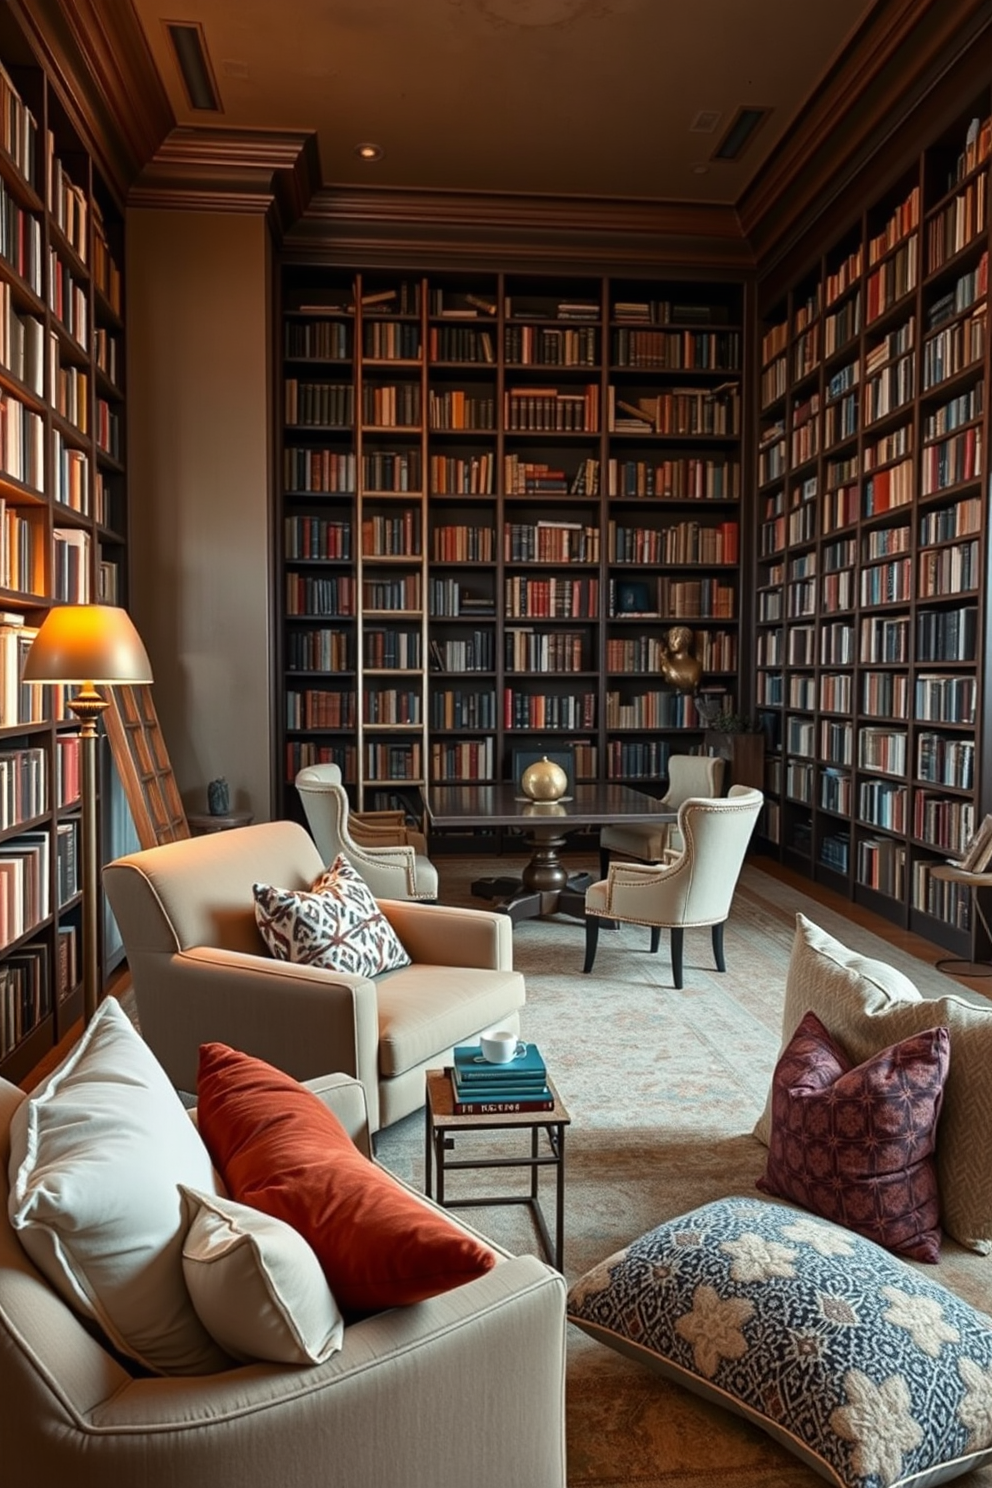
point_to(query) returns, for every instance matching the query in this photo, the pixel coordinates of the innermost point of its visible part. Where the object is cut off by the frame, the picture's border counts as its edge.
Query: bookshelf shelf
(872, 691)
(514, 469)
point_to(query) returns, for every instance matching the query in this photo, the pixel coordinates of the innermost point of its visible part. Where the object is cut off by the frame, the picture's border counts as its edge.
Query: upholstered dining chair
(391, 857)
(688, 775)
(696, 889)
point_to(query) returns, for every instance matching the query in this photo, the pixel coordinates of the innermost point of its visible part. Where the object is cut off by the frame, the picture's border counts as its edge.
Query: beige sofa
(201, 972)
(467, 1386)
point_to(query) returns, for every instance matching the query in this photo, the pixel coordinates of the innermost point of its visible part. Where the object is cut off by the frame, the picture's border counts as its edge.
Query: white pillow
(97, 1154)
(256, 1284)
(866, 1006)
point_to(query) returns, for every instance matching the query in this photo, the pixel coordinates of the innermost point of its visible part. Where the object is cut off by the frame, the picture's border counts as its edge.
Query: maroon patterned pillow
(856, 1145)
(337, 924)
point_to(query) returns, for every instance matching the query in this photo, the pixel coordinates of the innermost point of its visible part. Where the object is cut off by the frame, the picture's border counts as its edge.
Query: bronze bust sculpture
(678, 665)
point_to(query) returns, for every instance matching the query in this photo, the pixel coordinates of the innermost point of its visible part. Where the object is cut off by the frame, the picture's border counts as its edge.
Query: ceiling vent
(194, 66)
(705, 121)
(743, 128)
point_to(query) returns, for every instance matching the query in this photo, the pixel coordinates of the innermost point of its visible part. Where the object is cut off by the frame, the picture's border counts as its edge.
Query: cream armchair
(391, 858)
(696, 889)
(410, 1393)
(201, 971)
(688, 775)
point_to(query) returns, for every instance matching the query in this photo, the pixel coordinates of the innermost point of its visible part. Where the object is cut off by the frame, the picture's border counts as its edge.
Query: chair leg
(655, 938)
(678, 940)
(717, 932)
(604, 861)
(592, 940)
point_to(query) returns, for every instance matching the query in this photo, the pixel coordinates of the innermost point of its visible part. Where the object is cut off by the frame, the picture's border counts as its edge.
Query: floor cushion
(860, 1364)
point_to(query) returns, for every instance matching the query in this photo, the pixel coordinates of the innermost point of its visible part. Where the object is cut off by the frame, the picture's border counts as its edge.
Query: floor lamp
(85, 645)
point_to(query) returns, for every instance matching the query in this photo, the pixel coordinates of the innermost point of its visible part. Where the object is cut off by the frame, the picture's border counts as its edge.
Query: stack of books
(481, 1088)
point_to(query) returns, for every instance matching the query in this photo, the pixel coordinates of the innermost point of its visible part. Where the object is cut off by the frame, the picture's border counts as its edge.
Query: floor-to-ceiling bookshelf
(498, 491)
(872, 621)
(62, 518)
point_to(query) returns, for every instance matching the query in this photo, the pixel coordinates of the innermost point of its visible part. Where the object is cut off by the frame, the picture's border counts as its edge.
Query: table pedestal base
(543, 888)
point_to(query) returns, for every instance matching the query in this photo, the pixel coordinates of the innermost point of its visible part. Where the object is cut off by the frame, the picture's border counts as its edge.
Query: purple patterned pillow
(856, 1145)
(337, 924)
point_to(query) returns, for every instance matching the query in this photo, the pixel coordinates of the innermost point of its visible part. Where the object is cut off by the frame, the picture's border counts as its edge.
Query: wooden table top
(504, 805)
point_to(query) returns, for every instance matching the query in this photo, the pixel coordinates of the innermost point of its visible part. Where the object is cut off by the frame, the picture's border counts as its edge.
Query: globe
(544, 780)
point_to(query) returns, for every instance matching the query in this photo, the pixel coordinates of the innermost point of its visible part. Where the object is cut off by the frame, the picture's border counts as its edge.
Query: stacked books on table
(481, 1088)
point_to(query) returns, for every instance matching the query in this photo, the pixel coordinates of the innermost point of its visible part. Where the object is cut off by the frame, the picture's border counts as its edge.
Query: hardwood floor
(906, 940)
(914, 945)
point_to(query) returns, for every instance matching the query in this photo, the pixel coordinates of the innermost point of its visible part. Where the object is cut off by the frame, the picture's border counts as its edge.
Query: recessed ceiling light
(699, 169)
(369, 152)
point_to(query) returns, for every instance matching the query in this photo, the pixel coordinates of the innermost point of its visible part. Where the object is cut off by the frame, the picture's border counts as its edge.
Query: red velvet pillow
(856, 1145)
(279, 1149)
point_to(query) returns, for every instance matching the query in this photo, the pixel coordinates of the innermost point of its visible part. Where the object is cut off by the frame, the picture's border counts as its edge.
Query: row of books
(482, 1088)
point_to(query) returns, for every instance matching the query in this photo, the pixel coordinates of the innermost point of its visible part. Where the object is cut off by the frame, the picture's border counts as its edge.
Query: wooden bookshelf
(518, 484)
(64, 520)
(872, 573)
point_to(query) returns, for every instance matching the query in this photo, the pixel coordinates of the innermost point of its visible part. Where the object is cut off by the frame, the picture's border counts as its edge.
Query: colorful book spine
(501, 1107)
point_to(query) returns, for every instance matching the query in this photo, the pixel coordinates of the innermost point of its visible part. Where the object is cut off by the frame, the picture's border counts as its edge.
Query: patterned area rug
(663, 1088)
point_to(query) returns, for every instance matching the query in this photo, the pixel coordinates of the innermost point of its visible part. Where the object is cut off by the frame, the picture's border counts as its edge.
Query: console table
(544, 886)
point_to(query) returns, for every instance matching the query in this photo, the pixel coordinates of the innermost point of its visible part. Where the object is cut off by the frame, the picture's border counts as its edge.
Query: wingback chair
(696, 889)
(688, 775)
(391, 858)
(202, 974)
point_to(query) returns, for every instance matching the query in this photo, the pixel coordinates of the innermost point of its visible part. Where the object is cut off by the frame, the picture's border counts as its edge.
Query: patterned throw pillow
(337, 924)
(856, 1144)
(868, 1005)
(866, 1369)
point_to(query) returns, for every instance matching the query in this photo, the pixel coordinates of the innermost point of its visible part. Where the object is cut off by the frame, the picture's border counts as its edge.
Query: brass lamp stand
(82, 645)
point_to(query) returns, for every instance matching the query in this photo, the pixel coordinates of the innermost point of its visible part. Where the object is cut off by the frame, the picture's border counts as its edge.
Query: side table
(951, 873)
(202, 823)
(443, 1127)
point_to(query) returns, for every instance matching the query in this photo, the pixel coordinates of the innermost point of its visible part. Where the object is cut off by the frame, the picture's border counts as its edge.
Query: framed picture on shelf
(978, 851)
(634, 598)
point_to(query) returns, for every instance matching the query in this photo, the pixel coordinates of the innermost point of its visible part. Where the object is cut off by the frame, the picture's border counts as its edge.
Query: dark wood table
(544, 887)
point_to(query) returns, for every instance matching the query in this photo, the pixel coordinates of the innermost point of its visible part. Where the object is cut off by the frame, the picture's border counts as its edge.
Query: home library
(62, 519)
(872, 621)
(499, 491)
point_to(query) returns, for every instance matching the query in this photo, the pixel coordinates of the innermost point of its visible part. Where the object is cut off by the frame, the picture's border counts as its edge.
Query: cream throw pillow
(97, 1154)
(866, 1006)
(256, 1284)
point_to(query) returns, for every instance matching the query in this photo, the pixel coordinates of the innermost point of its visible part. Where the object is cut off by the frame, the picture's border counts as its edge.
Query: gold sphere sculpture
(544, 780)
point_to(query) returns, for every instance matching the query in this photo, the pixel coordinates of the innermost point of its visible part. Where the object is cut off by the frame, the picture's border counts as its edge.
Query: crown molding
(100, 65)
(896, 57)
(232, 170)
(376, 225)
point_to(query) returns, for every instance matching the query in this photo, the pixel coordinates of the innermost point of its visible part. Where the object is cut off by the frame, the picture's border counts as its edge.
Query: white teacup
(500, 1046)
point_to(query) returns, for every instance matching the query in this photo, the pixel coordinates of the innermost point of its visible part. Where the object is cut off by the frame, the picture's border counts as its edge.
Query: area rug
(663, 1088)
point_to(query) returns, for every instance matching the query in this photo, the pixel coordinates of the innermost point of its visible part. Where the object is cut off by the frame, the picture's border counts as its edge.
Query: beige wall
(198, 477)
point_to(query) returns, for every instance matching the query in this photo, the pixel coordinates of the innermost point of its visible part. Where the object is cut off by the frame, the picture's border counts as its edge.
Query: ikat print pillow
(337, 924)
(871, 1373)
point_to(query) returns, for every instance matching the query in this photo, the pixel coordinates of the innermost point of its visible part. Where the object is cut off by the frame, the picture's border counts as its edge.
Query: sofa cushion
(855, 1144)
(424, 1010)
(97, 1156)
(281, 1150)
(866, 1005)
(866, 1369)
(337, 924)
(256, 1284)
